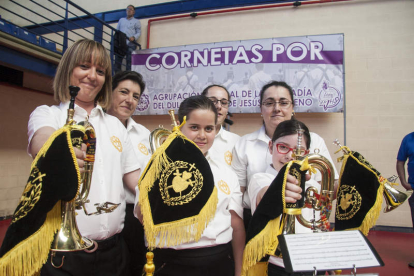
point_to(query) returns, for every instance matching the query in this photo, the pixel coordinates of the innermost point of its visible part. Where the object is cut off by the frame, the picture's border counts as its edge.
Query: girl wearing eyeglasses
(251, 154)
(224, 140)
(281, 147)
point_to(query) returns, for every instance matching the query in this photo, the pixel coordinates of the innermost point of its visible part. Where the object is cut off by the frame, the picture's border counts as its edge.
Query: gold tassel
(182, 231)
(28, 257)
(259, 269)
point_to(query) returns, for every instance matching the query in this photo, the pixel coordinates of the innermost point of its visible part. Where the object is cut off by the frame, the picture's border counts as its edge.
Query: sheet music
(329, 251)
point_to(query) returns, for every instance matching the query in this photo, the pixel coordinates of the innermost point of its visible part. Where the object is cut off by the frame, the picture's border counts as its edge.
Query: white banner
(311, 65)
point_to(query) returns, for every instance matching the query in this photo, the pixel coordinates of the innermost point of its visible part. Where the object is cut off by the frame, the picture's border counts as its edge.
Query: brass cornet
(68, 238)
(323, 204)
(160, 134)
(393, 197)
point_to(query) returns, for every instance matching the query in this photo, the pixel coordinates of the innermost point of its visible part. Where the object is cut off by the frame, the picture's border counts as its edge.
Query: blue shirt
(407, 151)
(131, 27)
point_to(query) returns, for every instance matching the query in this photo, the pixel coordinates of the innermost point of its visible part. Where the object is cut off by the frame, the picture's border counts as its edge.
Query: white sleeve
(236, 196)
(42, 116)
(129, 159)
(257, 182)
(239, 164)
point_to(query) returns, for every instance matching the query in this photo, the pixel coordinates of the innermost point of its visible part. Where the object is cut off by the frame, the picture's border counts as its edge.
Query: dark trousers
(133, 234)
(411, 203)
(119, 58)
(110, 259)
(209, 261)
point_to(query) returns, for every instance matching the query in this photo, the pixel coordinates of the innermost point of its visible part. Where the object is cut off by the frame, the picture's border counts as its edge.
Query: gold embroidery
(224, 187)
(349, 202)
(117, 143)
(31, 194)
(186, 183)
(228, 157)
(294, 172)
(143, 149)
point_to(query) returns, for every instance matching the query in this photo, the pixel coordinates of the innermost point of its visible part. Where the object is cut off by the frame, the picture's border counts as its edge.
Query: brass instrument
(323, 204)
(393, 197)
(158, 135)
(68, 238)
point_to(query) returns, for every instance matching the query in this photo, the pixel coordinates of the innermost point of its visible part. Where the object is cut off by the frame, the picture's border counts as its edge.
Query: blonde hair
(84, 50)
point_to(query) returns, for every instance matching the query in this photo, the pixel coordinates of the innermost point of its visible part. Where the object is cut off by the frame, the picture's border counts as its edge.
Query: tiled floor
(396, 250)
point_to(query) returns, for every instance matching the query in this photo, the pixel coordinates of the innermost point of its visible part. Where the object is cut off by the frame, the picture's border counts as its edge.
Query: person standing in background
(127, 88)
(132, 28)
(407, 151)
(225, 140)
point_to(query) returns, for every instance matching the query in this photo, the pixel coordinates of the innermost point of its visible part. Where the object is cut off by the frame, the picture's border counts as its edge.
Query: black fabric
(207, 261)
(106, 261)
(54, 177)
(357, 192)
(181, 150)
(271, 205)
(120, 43)
(133, 234)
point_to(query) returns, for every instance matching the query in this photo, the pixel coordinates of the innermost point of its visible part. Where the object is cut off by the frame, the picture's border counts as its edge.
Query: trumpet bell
(157, 137)
(68, 237)
(393, 197)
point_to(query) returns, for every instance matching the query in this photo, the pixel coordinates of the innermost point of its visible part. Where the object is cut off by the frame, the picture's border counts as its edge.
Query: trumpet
(68, 238)
(160, 134)
(322, 204)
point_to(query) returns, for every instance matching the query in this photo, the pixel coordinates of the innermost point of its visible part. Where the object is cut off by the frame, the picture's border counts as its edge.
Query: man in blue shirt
(407, 151)
(132, 28)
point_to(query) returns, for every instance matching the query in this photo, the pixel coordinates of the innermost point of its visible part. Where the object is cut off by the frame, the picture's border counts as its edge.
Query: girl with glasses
(224, 140)
(281, 147)
(251, 154)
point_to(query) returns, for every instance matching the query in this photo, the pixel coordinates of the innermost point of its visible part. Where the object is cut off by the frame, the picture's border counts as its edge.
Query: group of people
(247, 165)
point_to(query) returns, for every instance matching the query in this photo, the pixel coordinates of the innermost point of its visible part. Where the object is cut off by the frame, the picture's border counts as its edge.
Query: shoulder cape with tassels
(359, 196)
(54, 176)
(265, 225)
(177, 193)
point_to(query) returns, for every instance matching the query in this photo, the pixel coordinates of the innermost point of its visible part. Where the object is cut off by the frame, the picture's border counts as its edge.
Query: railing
(54, 24)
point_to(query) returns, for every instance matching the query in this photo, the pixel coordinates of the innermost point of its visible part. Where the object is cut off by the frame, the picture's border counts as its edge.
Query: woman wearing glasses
(224, 140)
(281, 147)
(251, 154)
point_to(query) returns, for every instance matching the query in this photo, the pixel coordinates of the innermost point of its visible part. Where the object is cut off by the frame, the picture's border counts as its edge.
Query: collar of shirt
(261, 135)
(271, 170)
(79, 111)
(130, 124)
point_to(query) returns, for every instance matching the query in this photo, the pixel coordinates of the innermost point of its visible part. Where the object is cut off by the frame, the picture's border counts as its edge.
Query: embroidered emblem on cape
(298, 176)
(117, 143)
(31, 194)
(349, 202)
(143, 149)
(187, 182)
(228, 157)
(224, 187)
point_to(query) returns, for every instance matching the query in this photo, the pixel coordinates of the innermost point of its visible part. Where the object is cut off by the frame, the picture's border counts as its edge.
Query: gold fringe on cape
(266, 242)
(28, 256)
(373, 214)
(177, 232)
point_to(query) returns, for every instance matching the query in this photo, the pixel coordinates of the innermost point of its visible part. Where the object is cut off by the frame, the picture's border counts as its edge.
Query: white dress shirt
(114, 157)
(251, 155)
(261, 180)
(223, 146)
(139, 136)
